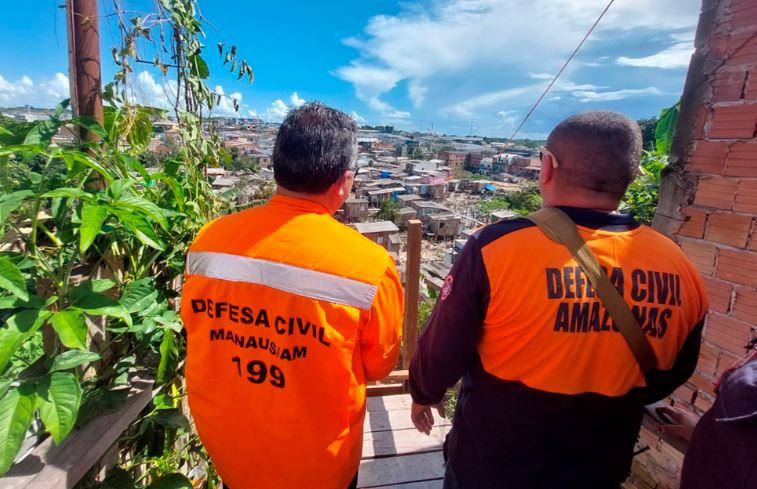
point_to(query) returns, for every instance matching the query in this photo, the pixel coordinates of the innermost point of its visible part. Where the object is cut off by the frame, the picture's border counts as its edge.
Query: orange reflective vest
(287, 314)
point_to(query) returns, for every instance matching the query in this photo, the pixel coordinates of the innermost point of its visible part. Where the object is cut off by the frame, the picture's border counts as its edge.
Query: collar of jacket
(300, 206)
(593, 219)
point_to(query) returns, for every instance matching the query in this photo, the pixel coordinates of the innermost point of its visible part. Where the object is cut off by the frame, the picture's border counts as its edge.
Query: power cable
(567, 62)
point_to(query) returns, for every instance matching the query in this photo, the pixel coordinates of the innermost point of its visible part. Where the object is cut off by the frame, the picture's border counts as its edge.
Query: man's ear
(547, 170)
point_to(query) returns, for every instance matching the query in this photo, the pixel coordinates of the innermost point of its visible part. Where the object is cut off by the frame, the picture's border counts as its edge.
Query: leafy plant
(96, 247)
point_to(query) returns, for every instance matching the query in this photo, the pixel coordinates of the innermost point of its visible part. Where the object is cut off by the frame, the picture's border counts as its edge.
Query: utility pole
(84, 77)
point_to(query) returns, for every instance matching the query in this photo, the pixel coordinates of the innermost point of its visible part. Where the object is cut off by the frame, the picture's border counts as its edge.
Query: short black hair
(599, 150)
(314, 147)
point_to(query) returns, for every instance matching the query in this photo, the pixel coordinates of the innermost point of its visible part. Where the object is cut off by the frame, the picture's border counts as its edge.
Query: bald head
(598, 151)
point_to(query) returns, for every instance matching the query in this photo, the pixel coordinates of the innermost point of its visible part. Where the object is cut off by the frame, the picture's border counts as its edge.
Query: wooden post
(85, 79)
(412, 290)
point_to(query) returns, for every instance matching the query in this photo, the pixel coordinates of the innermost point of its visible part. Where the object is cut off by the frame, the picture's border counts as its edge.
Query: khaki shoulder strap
(561, 229)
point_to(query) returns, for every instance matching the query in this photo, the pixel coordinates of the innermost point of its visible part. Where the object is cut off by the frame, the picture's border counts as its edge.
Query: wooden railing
(396, 382)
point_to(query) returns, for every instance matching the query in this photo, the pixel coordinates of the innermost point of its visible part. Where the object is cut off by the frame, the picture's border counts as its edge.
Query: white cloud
(417, 92)
(277, 111)
(296, 100)
(676, 56)
(449, 50)
(225, 105)
(593, 96)
(252, 113)
(357, 117)
(24, 91)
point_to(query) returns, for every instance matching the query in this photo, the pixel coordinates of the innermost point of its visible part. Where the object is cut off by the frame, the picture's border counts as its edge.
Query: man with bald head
(552, 396)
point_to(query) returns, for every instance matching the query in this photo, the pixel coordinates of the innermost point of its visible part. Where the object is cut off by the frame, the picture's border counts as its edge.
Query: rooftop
(376, 227)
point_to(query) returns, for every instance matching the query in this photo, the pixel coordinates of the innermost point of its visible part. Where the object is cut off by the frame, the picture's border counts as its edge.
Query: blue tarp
(490, 187)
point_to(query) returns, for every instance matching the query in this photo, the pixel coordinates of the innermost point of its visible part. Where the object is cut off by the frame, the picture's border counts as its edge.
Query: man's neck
(322, 199)
(600, 203)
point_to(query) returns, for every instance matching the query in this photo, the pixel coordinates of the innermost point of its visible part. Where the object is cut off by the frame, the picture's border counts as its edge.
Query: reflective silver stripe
(289, 278)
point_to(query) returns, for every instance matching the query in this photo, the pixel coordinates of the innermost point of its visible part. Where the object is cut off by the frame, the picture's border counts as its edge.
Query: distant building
(380, 233)
(443, 225)
(403, 215)
(354, 210)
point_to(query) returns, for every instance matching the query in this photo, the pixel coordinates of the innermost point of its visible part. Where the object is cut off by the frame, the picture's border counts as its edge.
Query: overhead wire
(565, 65)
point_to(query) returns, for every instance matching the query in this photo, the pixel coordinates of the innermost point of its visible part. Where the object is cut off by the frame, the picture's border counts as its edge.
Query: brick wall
(708, 198)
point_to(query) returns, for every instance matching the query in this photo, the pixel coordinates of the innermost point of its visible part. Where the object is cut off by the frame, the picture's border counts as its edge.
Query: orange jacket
(287, 313)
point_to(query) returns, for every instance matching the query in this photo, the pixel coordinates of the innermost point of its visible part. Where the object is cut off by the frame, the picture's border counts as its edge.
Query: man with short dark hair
(552, 395)
(288, 313)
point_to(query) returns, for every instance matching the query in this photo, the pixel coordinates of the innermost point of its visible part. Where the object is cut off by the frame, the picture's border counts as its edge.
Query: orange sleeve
(381, 338)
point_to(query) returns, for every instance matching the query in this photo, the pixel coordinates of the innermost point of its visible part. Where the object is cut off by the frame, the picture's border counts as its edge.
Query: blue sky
(460, 66)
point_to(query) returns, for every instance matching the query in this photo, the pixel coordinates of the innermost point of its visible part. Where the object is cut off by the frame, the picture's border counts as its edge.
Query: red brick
(719, 294)
(734, 122)
(744, 49)
(719, 46)
(745, 305)
(708, 157)
(750, 92)
(701, 254)
(730, 229)
(737, 266)
(746, 196)
(708, 360)
(685, 393)
(728, 86)
(727, 333)
(702, 383)
(695, 222)
(716, 192)
(746, 17)
(742, 160)
(727, 361)
(703, 403)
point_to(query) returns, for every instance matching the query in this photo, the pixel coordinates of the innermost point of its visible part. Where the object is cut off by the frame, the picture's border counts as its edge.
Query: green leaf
(666, 128)
(141, 228)
(11, 202)
(90, 123)
(6, 132)
(4, 386)
(16, 415)
(171, 481)
(88, 161)
(19, 328)
(71, 193)
(199, 67)
(100, 285)
(42, 133)
(170, 418)
(59, 397)
(93, 216)
(72, 359)
(71, 328)
(168, 354)
(145, 207)
(12, 280)
(13, 302)
(139, 295)
(96, 304)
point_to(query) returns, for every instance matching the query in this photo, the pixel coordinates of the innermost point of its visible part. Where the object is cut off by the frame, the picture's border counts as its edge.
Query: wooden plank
(412, 291)
(385, 390)
(397, 470)
(397, 375)
(402, 442)
(395, 420)
(388, 403)
(52, 467)
(430, 484)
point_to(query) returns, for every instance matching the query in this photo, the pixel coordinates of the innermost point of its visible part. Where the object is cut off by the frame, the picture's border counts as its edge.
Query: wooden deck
(395, 455)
